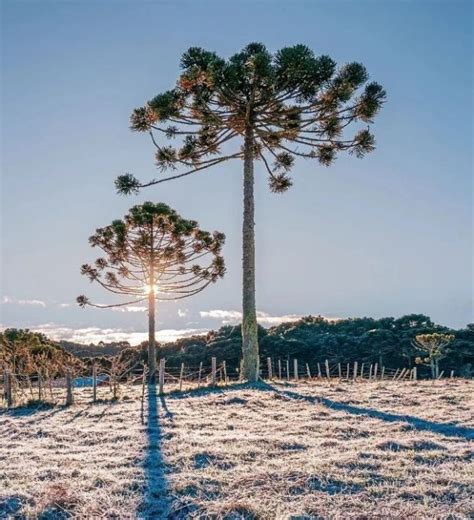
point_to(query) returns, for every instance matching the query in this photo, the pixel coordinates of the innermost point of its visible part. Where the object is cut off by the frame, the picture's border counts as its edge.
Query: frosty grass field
(300, 451)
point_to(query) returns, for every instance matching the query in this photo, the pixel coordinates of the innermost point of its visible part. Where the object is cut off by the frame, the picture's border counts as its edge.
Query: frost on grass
(383, 450)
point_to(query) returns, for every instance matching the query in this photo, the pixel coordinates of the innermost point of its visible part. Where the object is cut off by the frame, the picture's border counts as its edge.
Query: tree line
(390, 342)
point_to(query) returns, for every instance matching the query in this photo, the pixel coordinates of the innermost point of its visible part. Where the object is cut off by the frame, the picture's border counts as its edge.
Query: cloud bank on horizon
(95, 334)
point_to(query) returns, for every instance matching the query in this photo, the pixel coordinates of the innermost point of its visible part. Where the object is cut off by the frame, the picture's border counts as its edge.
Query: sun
(147, 289)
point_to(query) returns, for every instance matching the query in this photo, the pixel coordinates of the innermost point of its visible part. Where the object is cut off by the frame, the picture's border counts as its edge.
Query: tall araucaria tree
(154, 254)
(279, 107)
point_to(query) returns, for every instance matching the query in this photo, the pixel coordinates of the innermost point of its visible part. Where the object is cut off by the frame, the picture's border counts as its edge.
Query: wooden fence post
(308, 371)
(7, 388)
(69, 394)
(94, 383)
(161, 376)
(224, 369)
(181, 373)
(414, 374)
(40, 387)
(354, 375)
(383, 373)
(113, 381)
(10, 390)
(287, 369)
(362, 370)
(396, 373)
(200, 374)
(213, 371)
(376, 366)
(320, 376)
(452, 374)
(295, 369)
(269, 366)
(30, 386)
(50, 384)
(328, 375)
(347, 371)
(279, 369)
(370, 372)
(5, 384)
(339, 370)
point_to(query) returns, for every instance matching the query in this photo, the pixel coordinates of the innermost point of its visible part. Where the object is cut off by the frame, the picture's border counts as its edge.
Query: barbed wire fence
(18, 389)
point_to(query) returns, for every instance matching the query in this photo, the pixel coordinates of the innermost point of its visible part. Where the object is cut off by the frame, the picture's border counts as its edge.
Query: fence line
(16, 388)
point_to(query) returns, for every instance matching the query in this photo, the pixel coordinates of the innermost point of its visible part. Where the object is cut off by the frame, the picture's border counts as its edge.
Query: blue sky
(387, 235)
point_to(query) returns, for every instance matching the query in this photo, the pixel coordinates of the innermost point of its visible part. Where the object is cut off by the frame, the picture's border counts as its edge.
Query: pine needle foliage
(153, 245)
(298, 105)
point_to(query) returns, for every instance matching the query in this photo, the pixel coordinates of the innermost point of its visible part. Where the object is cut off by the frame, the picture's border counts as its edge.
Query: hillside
(374, 449)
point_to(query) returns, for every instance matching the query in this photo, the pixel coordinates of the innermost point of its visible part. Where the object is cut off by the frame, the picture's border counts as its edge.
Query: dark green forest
(386, 341)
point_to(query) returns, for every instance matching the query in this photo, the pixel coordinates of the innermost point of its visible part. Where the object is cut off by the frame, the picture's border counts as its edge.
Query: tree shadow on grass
(168, 413)
(10, 506)
(447, 429)
(29, 409)
(156, 502)
(38, 413)
(222, 390)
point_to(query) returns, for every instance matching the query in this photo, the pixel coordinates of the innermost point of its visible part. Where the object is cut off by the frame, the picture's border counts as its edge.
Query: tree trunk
(151, 312)
(250, 353)
(151, 337)
(437, 368)
(432, 369)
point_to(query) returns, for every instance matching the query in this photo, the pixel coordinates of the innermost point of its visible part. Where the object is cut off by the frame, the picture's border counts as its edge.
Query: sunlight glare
(147, 289)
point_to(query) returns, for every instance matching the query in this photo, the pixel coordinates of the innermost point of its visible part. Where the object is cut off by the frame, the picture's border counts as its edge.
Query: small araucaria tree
(434, 346)
(284, 106)
(154, 254)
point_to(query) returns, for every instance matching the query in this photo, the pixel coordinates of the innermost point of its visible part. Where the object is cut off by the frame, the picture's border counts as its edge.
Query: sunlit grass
(263, 452)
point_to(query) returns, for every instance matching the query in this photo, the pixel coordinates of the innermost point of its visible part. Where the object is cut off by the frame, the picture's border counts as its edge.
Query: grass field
(280, 451)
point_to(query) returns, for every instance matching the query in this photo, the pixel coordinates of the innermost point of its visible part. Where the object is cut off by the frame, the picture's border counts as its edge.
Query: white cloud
(7, 299)
(130, 308)
(65, 305)
(168, 335)
(233, 317)
(95, 334)
(32, 302)
(265, 319)
(226, 317)
(182, 313)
